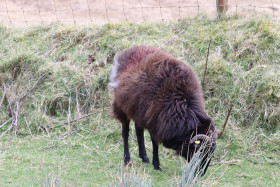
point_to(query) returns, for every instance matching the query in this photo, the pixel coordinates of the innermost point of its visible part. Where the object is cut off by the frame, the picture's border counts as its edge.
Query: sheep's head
(206, 144)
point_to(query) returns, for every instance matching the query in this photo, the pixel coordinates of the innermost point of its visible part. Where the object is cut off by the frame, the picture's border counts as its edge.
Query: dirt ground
(28, 12)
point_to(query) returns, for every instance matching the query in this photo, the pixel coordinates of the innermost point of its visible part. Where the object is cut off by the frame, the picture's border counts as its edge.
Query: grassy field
(54, 80)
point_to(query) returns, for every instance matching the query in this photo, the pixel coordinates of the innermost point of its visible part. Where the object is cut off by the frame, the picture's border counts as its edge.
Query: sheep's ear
(205, 120)
(197, 144)
(208, 121)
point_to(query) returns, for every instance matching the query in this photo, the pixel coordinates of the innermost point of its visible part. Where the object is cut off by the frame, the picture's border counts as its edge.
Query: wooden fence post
(222, 7)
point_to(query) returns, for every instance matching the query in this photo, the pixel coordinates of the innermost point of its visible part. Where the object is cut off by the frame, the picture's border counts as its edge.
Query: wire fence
(30, 12)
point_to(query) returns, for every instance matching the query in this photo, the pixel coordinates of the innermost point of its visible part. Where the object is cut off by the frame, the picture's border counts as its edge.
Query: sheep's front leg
(155, 155)
(141, 144)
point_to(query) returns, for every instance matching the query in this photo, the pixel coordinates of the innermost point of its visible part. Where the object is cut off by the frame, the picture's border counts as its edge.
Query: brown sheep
(164, 96)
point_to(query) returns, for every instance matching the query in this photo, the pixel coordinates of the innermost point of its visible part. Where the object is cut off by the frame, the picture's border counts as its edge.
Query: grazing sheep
(164, 96)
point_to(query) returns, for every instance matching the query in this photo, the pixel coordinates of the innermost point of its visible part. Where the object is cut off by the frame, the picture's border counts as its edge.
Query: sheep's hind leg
(155, 156)
(141, 144)
(121, 116)
(125, 135)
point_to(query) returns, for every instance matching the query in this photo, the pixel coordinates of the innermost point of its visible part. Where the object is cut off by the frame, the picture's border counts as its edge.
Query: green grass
(73, 66)
(94, 157)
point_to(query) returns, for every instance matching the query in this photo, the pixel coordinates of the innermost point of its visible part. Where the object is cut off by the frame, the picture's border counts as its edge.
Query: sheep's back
(154, 87)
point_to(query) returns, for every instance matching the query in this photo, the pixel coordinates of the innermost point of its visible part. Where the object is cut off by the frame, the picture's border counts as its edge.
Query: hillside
(54, 82)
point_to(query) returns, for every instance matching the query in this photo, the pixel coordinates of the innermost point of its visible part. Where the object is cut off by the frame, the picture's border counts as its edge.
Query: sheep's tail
(113, 77)
(127, 58)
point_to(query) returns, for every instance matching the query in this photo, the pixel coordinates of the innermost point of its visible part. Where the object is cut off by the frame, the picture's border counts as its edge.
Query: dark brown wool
(161, 94)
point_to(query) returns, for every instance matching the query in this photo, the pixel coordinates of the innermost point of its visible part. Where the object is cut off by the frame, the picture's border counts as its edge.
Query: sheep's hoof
(145, 159)
(127, 162)
(158, 168)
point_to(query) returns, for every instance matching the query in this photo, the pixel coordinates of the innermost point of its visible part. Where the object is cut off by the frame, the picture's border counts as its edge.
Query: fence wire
(27, 12)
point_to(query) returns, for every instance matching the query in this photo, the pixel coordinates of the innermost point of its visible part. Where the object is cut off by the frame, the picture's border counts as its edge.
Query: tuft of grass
(130, 176)
(191, 172)
(50, 180)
